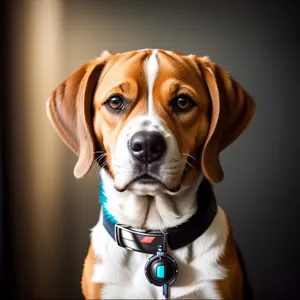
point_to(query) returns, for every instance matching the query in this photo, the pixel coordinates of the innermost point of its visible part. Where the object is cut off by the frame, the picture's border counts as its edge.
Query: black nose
(147, 146)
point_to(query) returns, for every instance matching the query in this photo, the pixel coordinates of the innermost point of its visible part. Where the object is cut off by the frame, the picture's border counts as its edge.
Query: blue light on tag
(160, 271)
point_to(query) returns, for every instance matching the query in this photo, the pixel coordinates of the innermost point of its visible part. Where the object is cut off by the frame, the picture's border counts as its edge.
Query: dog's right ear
(232, 110)
(69, 110)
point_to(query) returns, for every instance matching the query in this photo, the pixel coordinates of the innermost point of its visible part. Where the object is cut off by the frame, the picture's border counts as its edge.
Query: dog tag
(161, 269)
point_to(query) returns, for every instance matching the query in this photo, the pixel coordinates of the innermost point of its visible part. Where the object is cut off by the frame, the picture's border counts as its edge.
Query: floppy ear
(69, 110)
(232, 110)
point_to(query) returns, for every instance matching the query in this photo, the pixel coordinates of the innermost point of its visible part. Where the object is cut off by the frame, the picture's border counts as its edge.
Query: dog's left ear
(69, 110)
(232, 110)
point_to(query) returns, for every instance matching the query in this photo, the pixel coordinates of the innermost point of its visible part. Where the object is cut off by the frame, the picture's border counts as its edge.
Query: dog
(156, 121)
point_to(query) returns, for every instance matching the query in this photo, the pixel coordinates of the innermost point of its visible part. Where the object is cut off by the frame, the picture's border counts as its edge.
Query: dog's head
(159, 117)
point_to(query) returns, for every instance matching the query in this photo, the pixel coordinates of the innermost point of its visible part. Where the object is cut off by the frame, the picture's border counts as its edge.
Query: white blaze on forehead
(151, 70)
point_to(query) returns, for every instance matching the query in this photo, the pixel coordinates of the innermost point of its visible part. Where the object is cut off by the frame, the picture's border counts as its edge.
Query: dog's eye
(182, 103)
(115, 103)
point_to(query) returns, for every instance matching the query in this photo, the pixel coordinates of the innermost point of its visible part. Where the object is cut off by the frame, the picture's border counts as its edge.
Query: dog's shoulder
(90, 289)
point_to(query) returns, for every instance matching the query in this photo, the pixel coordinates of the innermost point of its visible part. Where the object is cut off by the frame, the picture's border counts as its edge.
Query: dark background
(46, 214)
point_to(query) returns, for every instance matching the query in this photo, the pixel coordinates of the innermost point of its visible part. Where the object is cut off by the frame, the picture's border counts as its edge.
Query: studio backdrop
(47, 214)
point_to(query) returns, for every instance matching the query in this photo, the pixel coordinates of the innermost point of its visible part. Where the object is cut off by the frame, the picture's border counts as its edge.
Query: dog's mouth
(146, 179)
(146, 182)
(142, 180)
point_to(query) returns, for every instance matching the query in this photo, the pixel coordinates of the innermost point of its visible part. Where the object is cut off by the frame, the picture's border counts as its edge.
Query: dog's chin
(147, 186)
(141, 188)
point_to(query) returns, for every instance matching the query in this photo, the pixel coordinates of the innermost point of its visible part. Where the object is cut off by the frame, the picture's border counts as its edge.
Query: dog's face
(159, 118)
(143, 108)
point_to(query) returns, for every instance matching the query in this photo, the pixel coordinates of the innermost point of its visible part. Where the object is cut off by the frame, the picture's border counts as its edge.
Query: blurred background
(46, 214)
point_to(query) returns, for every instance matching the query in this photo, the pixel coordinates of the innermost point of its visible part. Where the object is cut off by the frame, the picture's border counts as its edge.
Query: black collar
(176, 237)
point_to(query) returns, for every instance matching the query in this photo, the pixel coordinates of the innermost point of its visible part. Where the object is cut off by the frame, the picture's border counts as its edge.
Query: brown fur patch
(230, 288)
(90, 290)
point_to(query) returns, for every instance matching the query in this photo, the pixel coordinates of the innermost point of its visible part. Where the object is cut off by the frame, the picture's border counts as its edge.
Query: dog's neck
(160, 211)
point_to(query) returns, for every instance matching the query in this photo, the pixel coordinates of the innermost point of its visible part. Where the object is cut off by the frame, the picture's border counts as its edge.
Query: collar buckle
(142, 241)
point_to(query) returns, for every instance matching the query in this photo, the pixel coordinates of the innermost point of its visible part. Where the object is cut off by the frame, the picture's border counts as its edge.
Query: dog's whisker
(190, 165)
(190, 157)
(105, 163)
(102, 155)
(102, 166)
(98, 158)
(96, 152)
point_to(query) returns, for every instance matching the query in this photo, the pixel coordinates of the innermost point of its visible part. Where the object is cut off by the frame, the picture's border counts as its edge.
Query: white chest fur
(122, 271)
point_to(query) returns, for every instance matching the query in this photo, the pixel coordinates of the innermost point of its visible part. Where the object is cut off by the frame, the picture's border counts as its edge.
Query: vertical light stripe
(39, 160)
(151, 70)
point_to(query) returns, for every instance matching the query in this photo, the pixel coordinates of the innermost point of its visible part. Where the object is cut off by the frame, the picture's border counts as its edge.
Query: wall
(51, 212)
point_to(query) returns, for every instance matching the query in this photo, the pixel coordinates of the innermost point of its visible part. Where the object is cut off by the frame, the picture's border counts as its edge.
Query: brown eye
(182, 103)
(115, 103)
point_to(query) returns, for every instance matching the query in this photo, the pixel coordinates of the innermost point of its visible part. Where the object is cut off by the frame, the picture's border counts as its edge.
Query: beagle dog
(156, 122)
